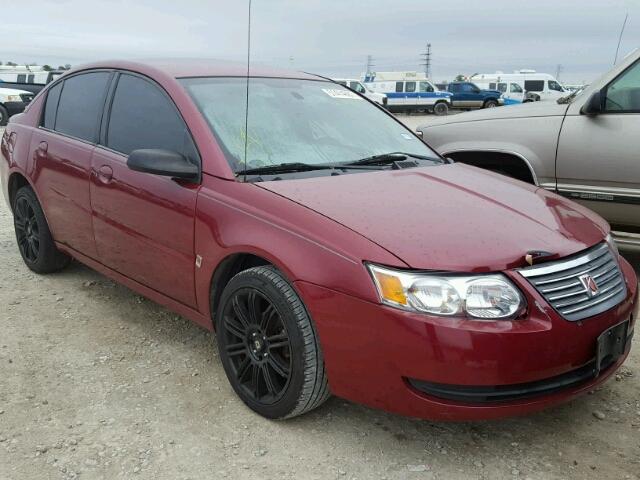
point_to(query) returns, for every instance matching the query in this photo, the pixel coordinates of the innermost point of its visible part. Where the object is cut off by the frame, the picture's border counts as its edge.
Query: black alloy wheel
(268, 345)
(27, 230)
(35, 242)
(258, 345)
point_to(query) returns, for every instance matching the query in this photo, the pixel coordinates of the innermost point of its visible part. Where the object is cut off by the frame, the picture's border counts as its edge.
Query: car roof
(192, 67)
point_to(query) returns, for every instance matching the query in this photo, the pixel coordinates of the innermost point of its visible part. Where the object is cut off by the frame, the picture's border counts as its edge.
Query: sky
(330, 37)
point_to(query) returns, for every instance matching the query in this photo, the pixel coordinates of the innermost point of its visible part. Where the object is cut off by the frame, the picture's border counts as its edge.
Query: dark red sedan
(330, 248)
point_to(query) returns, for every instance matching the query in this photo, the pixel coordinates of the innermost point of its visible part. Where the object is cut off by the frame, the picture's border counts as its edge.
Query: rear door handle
(105, 173)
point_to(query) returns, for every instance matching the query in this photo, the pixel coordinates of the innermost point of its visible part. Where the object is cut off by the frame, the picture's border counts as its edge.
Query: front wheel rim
(27, 230)
(257, 345)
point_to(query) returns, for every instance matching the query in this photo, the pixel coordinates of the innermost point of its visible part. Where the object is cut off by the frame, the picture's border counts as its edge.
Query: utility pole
(426, 61)
(370, 65)
(559, 70)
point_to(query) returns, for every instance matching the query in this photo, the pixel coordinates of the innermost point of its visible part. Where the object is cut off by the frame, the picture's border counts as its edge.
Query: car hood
(531, 109)
(12, 91)
(451, 217)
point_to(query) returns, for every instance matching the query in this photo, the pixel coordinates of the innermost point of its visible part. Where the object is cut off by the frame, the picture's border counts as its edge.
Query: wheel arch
(518, 164)
(15, 182)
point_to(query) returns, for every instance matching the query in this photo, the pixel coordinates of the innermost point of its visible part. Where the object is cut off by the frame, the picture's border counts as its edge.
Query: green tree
(459, 78)
(47, 68)
(12, 64)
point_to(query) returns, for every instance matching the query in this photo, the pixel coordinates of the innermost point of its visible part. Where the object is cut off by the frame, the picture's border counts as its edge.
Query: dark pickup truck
(468, 95)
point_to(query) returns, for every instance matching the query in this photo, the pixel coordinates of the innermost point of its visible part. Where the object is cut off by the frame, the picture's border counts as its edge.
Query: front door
(143, 223)
(598, 162)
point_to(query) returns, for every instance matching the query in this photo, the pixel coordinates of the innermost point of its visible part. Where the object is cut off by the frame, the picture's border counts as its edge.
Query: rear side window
(142, 116)
(80, 106)
(50, 107)
(492, 86)
(22, 78)
(399, 87)
(534, 85)
(410, 87)
(502, 87)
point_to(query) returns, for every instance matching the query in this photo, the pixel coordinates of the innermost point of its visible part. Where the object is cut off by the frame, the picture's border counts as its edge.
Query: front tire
(35, 242)
(268, 345)
(441, 108)
(490, 104)
(4, 116)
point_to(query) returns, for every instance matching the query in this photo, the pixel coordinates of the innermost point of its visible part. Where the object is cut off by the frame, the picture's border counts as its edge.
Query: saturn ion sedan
(331, 250)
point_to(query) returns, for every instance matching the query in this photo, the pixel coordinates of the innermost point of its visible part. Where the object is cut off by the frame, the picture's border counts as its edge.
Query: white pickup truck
(12, 101)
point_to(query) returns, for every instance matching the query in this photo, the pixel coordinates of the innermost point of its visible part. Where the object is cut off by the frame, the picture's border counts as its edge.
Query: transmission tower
(426, 61)
(370, 65)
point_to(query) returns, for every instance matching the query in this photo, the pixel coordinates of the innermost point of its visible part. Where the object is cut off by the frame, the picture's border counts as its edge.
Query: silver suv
(586, 146)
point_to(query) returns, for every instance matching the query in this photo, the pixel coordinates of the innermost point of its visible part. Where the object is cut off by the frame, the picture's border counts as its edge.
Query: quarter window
(80, 106)
(142, 116)
(50, 107)
(22, 78)
(399, 87)
(534, 85)
(623, 94)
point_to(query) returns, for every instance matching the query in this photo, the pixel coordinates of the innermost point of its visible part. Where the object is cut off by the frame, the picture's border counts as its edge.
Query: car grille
(580, 286)
(26, 97)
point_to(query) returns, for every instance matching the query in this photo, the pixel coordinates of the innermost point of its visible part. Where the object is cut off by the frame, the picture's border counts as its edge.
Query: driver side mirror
(594, 105)
(162, 162)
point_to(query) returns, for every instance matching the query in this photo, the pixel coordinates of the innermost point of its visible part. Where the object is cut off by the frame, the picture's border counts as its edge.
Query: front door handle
(105, 173)
(42, 148)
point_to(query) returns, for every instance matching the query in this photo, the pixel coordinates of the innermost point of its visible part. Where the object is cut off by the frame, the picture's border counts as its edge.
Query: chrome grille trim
(559, 283)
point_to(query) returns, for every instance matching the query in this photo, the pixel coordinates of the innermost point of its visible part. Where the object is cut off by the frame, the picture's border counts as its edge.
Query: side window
(50, 107)
(468, 88)
(30, 78)
(142, 116)
(357, 86)
(454, 87)
(492, 86)
(80, 105)
(399, 87)
(515, 88)
(553, 85)
(623, 94)
(534, 85)
(426, 87)
(502, 87)
(410, 87)
(22, 78)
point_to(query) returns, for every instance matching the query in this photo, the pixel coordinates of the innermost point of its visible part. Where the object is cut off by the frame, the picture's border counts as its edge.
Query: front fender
(532, 139)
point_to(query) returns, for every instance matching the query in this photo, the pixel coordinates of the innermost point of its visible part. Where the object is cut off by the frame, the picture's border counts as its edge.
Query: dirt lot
(97, 382)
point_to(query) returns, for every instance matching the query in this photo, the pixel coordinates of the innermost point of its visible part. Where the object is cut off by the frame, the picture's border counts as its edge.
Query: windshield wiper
(387, 158)
(283, 168)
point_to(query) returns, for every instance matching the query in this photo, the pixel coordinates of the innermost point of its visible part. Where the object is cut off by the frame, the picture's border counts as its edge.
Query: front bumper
(375, 354)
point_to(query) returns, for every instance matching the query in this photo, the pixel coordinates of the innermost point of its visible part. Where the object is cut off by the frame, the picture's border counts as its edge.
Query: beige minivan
(585, 146)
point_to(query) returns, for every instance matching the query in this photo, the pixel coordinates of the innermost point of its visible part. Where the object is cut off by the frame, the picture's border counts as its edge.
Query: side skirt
(177, 307)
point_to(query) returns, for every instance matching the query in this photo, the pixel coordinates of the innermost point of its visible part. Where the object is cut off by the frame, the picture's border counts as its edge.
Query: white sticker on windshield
(337, 93)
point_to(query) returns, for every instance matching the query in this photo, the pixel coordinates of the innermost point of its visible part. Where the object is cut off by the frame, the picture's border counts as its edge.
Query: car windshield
(293, 121)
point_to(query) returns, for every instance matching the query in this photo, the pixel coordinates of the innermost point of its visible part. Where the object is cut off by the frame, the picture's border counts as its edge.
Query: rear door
(143, 223)
(598, 162)
(61, 152)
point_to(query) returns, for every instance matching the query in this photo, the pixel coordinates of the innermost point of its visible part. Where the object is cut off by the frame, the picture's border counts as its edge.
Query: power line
(426, 63)
(624, 24)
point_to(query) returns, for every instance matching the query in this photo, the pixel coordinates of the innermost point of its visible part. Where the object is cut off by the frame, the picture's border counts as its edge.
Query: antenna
(624, 24)
(246, 114)
(426, 56)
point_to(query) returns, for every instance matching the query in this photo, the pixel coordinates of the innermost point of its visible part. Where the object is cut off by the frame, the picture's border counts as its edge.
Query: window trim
(106, 115)
(63, 79)
(605, 89)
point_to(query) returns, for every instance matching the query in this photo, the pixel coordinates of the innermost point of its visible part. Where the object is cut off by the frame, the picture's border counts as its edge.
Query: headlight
(612, 245)
(14, 98)
(478, 296)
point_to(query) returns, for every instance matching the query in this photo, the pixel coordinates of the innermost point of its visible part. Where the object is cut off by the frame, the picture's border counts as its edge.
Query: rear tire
(268, 345)
(441, 108)
(35, 242)
(4, 116)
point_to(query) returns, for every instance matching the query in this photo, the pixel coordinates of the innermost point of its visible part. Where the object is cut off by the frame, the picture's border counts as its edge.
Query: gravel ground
(97, 382)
